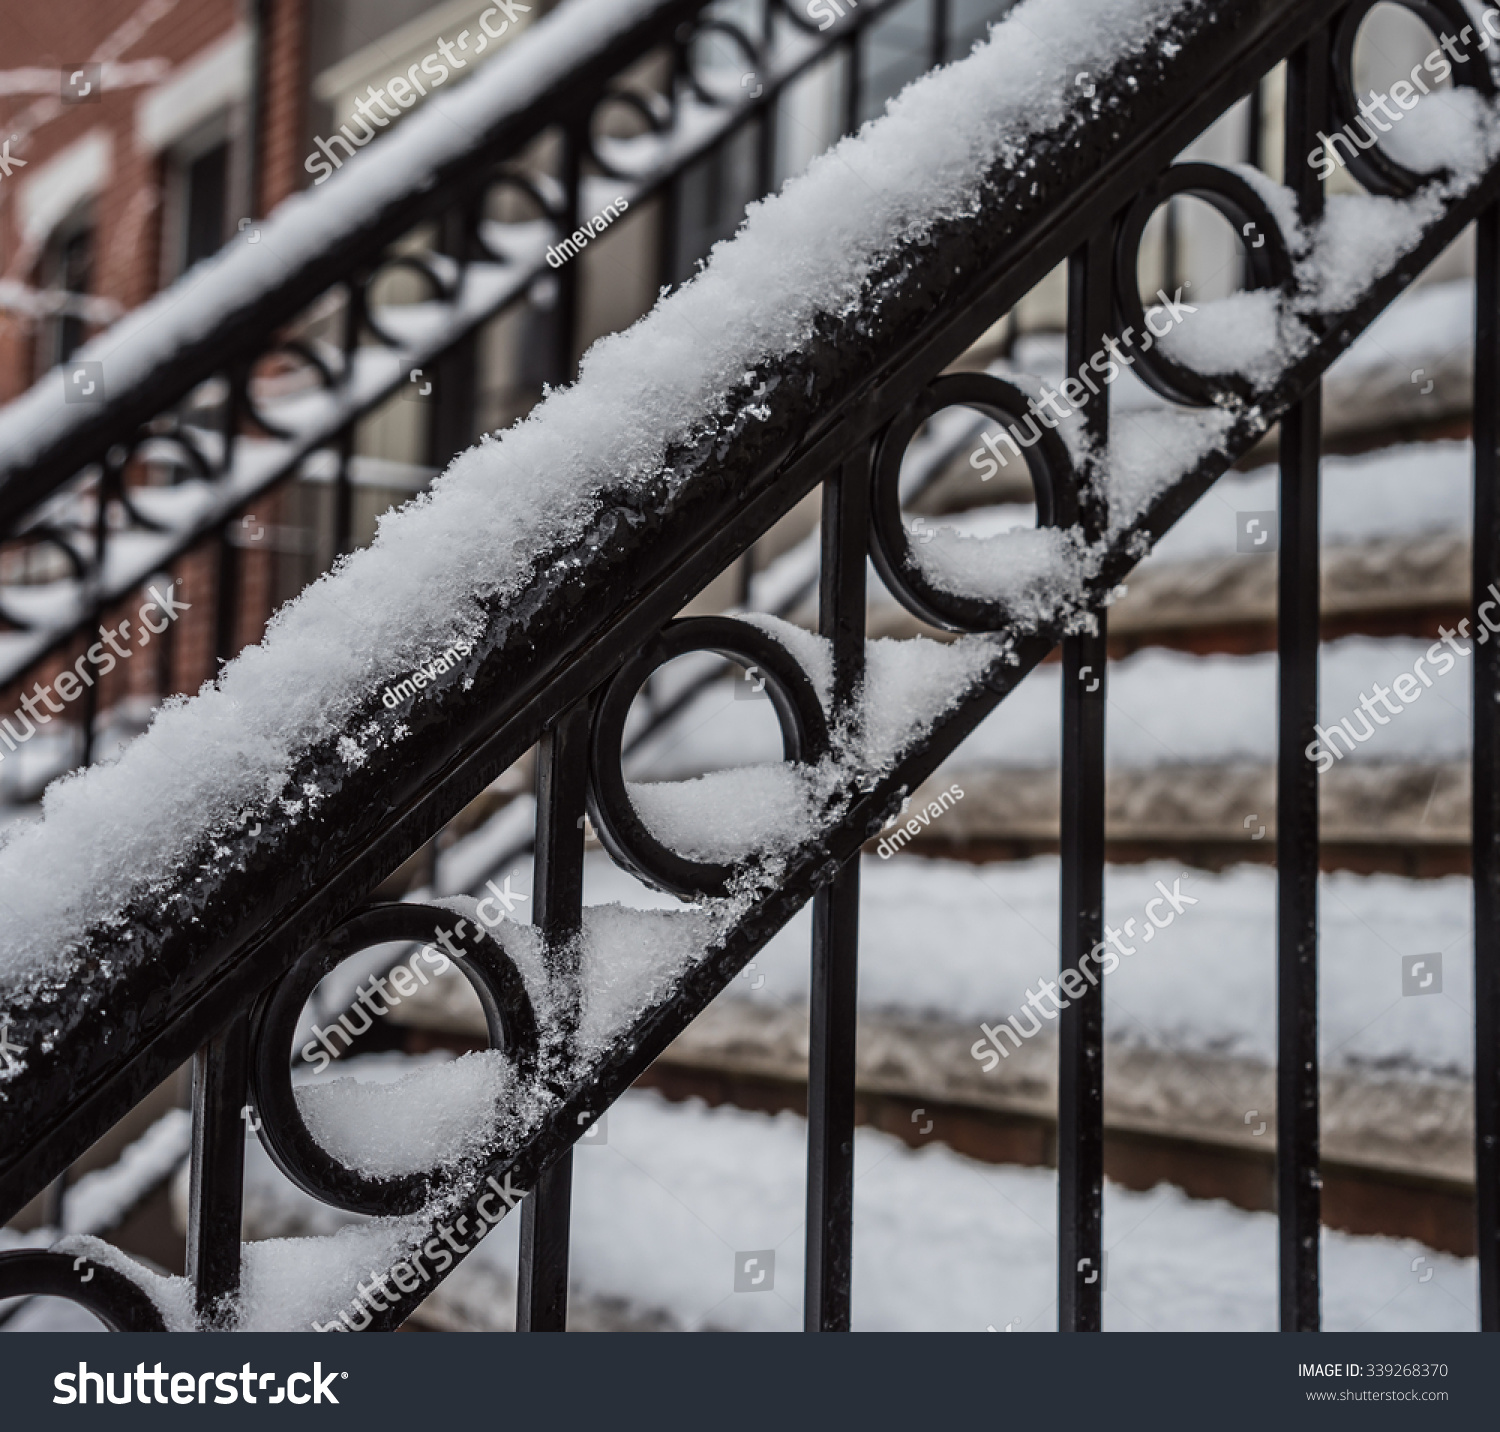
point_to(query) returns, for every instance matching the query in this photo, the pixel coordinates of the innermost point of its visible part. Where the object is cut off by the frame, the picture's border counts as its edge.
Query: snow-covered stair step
(1395, 525)
(1183, 1115)
(1166, 708)
(675, 1197)
(1409, 818)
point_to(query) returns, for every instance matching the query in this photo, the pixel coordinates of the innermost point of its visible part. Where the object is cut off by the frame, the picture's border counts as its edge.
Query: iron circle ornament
(1048, 464)
(119, 1302)
(508, 1014)
(804, 739)
(1367, 161)
(752, 53)
(1268, 264)
(657, 112)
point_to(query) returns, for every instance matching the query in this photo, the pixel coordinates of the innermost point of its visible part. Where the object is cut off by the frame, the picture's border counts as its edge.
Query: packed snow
(674, 1196)
(427, 1119)
(1166, 708)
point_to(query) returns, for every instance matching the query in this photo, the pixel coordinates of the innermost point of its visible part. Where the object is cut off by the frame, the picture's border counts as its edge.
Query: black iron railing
(216, 966)
(251, 369)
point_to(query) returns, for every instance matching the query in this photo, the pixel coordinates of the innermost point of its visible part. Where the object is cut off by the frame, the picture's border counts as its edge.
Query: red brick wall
(127, 255)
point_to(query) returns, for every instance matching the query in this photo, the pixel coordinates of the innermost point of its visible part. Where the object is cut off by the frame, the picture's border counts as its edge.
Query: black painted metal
(477, 954)
(1373, 166)
(891, 547)
(117, 1301)
(1298, 1183)
(562, 786)
(804, 736)
(1080, 1088)
(221, 1114)
(605, 596)
(835, 943)
(1486, 738)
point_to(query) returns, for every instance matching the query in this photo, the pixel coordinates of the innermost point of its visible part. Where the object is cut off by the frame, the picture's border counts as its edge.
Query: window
(206, 187)
(197, 180)
(66, 268)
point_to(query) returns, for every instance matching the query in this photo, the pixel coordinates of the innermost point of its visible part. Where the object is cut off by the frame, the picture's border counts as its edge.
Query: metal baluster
(1298, 1183)
(343, 495)
(351, 322)
(226, 600)
(557, 896)
(216, 1188)
(854, 53)
(765, 121)
(835, 946)
(941, 25)
(1486, 773)
(1080, 1090)
(453, 412)
(565, 335)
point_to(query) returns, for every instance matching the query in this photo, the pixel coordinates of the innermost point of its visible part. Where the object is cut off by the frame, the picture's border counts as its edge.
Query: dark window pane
(207, 181)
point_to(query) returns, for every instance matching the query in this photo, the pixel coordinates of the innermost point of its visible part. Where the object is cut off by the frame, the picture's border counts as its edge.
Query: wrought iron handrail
(174, 972)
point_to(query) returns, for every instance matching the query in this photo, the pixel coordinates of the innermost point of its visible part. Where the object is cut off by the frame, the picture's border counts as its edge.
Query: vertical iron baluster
(835, 945)
(1298, 1182)
(1171, 248)
(557, 906)
(88, 718)
(343, 495)
(453, 413)
(1255, 125)
(1255, 145)
(343, 486)
(566, 337)
(855, 94)
(941, 23)
(1486, 772)
(1080, 1089)
(57, 1200)
(765, 136)
(216, 1188)
(226, 600)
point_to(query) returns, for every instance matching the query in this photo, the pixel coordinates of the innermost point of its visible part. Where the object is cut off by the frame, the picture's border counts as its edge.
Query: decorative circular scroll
(656, 111)
(508, 1014)
(1374, 168)
(752, 54)
(438, 271)
(1269, 264)
(120, 1303)
(1047, 461)
(804, 737)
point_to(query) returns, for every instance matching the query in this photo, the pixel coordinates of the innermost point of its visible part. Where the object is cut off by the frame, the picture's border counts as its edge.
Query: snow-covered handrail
(163, 895)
